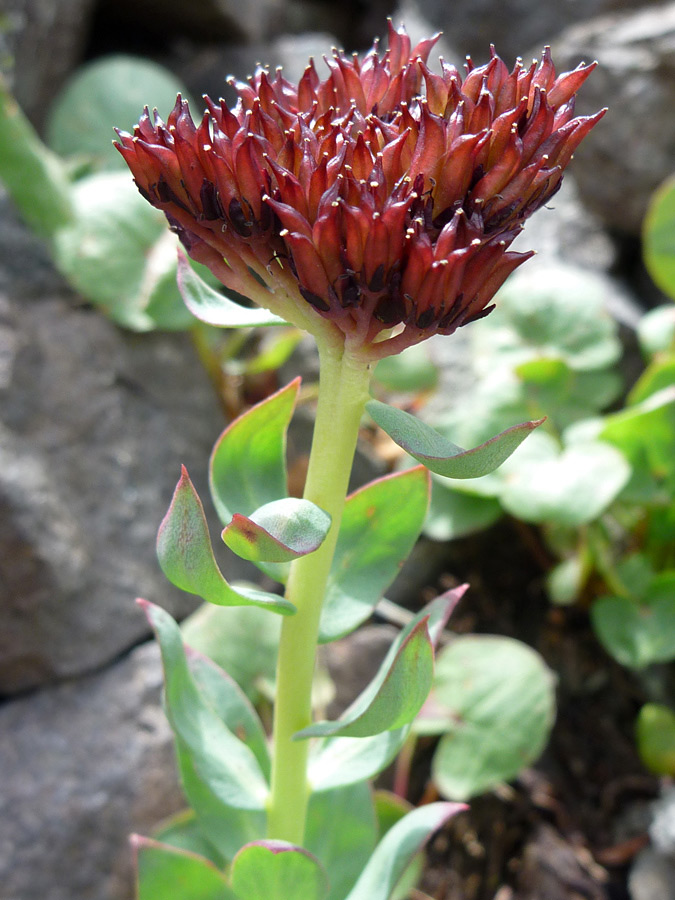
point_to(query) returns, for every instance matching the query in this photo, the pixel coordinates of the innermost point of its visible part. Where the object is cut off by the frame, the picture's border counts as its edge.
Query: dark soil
(570, 826)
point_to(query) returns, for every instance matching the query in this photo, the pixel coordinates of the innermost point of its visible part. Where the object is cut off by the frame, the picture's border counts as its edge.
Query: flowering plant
(374, 209)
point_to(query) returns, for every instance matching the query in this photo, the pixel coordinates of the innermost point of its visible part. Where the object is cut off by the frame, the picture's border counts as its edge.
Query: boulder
(94, 425)
(513, 26)
(88, 763)
(632, 150)
(41, 42)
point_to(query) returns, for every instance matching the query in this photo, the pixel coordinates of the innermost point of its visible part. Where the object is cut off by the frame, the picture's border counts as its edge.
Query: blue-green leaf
(637, 634)
(214, 308)
(655, 733)
(231, 704)
(278, 532)
(395, 695)
(248, 463)
(658, 233)
(569, 488)
(338, 761)
(493, 702)
(380, 525)
(398, 847)
(225, 828)
(440, 455)
(345, 847)
(186, 556)
(223, 762)
(275, 870)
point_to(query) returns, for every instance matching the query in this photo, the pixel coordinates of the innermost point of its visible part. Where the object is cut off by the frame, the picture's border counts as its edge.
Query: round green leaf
(564, 581)
(645, 433)
(571, 489)
(636, 634)
(453, 514)
(108, 93)
(658, 234)
(656, 329)
(660, 374)
(275, 870)
(554, 311)
(164, 871)
(655, 731)
(118, 253)
(36, 178)
(494, 703)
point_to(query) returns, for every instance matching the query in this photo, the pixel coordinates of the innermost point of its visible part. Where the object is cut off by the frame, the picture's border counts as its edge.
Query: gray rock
(632, 150)
(513, 26)
(94, 426)
(662, 828)
(566, 230)
(652, 876)
(83, 765)
(40, 44)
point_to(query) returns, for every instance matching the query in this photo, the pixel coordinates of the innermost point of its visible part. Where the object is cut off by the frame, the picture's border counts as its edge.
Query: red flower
(383, 198)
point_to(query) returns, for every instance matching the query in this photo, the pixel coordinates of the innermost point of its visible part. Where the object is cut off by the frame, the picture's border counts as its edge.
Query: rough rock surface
(652, 876)
(633, 149)
(95, 423)
(40, 44)
(88, 763)
(514, 26)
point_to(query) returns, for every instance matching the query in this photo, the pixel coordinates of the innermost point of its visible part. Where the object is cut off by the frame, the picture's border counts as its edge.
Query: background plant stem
(343, 392)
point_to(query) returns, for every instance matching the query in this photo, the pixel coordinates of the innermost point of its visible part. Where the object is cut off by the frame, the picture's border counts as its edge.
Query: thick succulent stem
(342, 396)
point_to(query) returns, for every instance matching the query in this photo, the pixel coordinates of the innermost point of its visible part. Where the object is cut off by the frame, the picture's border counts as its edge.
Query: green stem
(343, 392)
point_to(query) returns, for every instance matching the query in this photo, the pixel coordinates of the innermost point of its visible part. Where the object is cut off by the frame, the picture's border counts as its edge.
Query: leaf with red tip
(164, 871)
(279, 531)
(276, 870)
(186, 556)
(394, 697)
(398, 691)
(440, 455)
(214, 308)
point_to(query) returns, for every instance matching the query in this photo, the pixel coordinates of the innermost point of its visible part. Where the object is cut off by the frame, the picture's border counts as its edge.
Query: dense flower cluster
(383, 198)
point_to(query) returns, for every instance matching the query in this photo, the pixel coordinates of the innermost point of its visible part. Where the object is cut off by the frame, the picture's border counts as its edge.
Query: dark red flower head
(383, 198)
